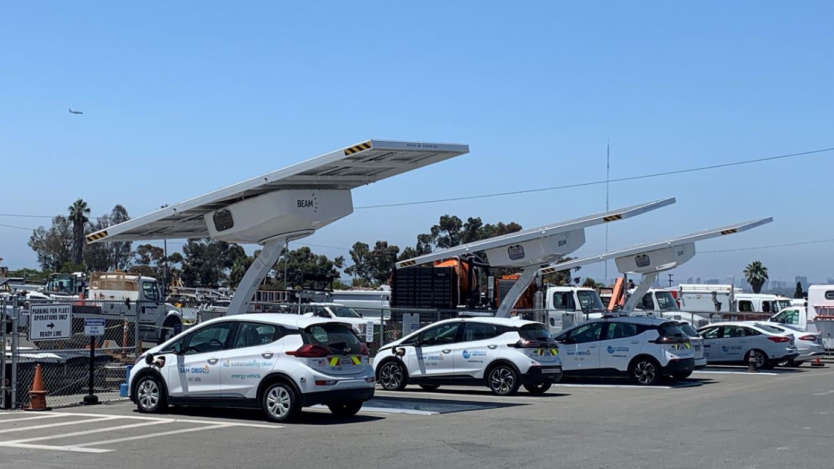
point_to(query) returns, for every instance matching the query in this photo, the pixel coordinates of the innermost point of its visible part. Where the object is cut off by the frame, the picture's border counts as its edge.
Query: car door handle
(267, 355)
(492, 347)
(446, 351)
(213, 361)
(635, 341)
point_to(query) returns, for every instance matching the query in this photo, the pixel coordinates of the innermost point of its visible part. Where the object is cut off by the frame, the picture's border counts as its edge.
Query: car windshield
(771, 329)
(589, 301)
(336, 337)
(344, 312)
(690, 331)
(534, 332)
(666, 302)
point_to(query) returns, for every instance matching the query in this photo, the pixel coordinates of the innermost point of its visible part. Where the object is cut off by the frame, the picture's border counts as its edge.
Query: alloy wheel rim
(278, 402)
(391, 376)
(501, 380)
(148, 394)
(759, 359)
(645, 372)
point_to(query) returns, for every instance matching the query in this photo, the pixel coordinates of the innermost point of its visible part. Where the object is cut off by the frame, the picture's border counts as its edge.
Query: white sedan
(735, 342)
(808, 344)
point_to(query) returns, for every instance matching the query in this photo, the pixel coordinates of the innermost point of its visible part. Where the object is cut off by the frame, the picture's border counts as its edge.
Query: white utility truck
(820, 303)
(125, 295)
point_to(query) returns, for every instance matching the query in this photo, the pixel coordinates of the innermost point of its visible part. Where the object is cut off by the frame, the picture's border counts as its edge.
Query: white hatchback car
(645, 349)
(697, 344)
(502, 354)
(735, 342)
(276, 362)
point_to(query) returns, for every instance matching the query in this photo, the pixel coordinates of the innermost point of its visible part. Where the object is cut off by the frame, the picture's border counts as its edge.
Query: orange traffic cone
(817, 363)
(37, 395)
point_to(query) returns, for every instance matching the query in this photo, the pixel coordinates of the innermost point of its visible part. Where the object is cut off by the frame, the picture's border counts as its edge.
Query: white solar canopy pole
(652, 259)
(531, 249)
(281, 206)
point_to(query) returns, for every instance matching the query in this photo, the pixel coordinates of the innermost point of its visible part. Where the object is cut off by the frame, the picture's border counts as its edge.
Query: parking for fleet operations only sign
(50, 322)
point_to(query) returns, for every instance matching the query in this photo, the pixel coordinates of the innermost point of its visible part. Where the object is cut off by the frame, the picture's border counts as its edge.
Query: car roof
(739, 323)
(291, 320)
(634, 320)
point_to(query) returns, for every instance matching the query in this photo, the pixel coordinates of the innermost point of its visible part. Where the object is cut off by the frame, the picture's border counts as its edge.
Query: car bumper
(791, 356)
(337, 396)
(700, 363)
(542, 374)
(675, 367)
(805, 355)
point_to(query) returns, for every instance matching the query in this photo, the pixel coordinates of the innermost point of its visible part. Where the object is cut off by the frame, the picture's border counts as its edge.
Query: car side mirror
(149, 359)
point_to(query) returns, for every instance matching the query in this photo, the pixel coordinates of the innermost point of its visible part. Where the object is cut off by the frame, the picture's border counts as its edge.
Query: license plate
(550, 370)
(345, 361)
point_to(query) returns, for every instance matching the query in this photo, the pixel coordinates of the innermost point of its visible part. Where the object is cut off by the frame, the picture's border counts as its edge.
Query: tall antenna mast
(607, 178)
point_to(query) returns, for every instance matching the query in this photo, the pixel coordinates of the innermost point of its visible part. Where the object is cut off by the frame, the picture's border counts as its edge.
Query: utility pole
(670, 280)
(165, 280)
(607, 178)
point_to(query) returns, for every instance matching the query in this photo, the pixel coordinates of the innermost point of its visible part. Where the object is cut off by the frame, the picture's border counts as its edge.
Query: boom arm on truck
(283, 205)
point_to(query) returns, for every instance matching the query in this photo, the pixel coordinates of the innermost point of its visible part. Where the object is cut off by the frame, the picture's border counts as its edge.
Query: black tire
(538, 389)
(762, 361)
(645, 371)
(345, 409)
(503, 380)
(392, 375)
(682, 376)
(280, 402)
(151, 396)
(430, 387)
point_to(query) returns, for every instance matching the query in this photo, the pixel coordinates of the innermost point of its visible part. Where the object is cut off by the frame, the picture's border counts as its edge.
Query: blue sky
(180, 99)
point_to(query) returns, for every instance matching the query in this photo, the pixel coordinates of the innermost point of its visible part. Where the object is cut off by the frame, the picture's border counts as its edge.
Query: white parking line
(59, 424)
(716, 372)
(626, 386)
(86, 432)
(27, 416)
(154, 435)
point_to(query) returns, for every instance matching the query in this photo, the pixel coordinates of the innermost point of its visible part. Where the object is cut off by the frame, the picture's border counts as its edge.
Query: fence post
(15, 323)
(3, 387)
(137, 343)
(381, 329)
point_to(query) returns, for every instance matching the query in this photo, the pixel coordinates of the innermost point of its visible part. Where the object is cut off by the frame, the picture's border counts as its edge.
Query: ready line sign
(50, 322)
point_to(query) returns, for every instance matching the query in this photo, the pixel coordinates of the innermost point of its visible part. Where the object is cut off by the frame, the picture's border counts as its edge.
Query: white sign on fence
(50, 322)
(369, 332)
(93, 326)
(411, 323)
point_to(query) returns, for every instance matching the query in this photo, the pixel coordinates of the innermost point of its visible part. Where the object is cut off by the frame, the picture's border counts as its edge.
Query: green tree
(561, 277)
(798, 293)
(78, 212)
(53, 246)
(303, 261)
(360, 254)
(372, 266)
(589, 283)
(756, 275)
(122, 254)
(207, 262)
(98, 256)
(149, 261)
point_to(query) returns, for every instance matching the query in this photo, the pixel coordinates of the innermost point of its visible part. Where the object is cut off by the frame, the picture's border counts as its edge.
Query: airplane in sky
(75, 112)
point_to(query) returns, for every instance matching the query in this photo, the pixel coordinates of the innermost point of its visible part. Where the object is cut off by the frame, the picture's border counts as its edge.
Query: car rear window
(336, 337)
(771, 329)
(690, 331)
(671, 329)
(534, 332)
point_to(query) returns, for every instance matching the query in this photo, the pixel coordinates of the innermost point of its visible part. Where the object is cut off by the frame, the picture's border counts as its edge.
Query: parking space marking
(59, 424)
(717, 372)
(27, 416)
(626, 386)
(154, 435)
(37, 443)
(384, 410)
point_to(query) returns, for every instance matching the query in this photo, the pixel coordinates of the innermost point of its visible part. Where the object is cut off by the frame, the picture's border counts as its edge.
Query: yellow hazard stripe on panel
(687, 345)
(554, 352)
(334, 361)
(616, 217)
(358, 148)
(548, 270)
(96, 236)
(726, 232)
(356, 360)
(407, 263)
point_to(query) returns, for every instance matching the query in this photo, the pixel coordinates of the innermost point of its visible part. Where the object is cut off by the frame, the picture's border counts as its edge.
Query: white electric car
(276, 362)
(808, 344)
(697, 344)
(645, 349)
(734, 343)
(502, 354)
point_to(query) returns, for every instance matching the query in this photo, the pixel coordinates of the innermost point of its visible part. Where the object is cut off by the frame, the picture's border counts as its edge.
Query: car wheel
(759, 357)
(538, 389)
(392, 376)
(645, 371)
(150, 395)
(280, 402)
(345, 409)
(503, 380)
(430, 387)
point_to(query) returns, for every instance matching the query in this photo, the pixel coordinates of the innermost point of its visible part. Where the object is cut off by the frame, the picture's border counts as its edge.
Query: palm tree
(756, 275)
(78, 212)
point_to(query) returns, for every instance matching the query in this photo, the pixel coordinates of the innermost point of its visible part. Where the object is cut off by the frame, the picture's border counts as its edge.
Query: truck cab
(65, 286)
(126, 295)
(568, 306)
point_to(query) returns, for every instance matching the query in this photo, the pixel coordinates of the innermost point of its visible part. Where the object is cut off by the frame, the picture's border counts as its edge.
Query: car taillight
(310, 351)
(809, 338)
(363, 350)
(778, 339)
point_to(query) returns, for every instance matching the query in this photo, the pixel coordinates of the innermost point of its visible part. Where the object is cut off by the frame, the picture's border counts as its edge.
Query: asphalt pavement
(721, 418)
